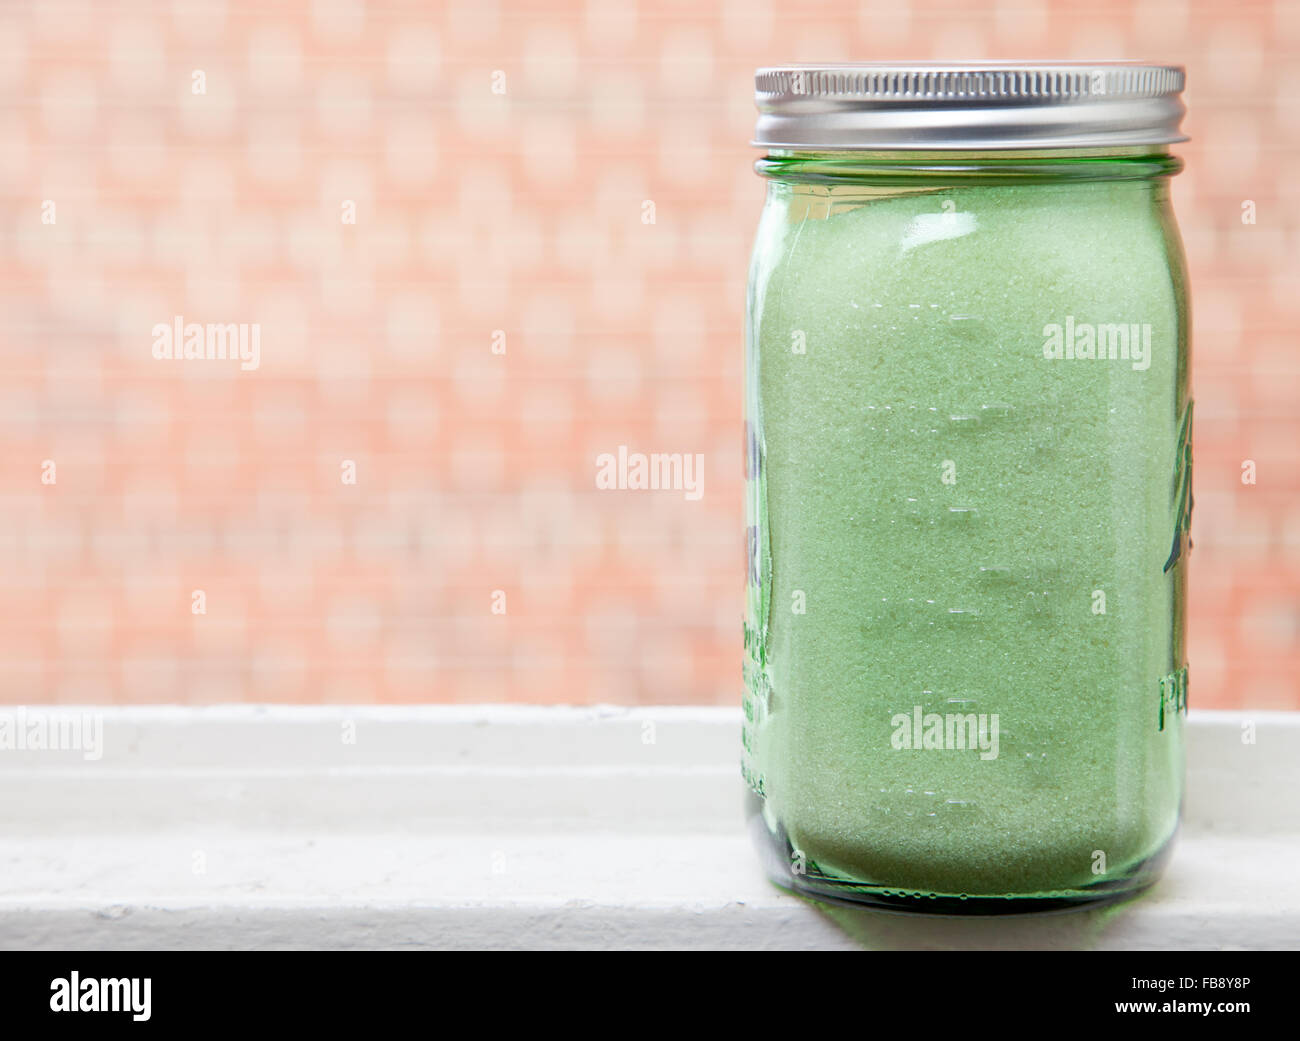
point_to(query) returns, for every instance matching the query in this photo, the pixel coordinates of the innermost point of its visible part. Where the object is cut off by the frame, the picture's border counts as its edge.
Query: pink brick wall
(522, 212)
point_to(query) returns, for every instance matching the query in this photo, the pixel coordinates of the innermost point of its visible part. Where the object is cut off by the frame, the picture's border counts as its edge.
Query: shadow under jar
(968, 484)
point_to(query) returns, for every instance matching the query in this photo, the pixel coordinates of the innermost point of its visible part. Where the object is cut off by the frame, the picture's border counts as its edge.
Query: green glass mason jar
(968, 484)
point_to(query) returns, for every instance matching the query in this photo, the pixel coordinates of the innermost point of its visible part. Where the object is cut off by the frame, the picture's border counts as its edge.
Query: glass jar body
(968, 500)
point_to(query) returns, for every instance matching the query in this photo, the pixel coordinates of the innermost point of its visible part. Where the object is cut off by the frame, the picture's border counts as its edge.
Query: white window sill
(517, 827)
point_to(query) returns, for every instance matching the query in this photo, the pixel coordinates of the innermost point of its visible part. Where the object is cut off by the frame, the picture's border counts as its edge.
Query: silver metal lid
(971, 106)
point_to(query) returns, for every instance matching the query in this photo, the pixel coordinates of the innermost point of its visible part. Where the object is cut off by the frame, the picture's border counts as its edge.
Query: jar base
(777, 855)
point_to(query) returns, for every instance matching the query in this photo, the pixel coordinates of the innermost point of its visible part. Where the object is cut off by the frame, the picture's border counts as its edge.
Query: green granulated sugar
(947, 506)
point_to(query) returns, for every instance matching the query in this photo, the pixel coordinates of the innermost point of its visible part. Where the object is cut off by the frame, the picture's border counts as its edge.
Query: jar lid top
(968, 105)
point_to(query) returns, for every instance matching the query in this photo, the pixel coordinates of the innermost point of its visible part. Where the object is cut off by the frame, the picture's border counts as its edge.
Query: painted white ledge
(517, 827)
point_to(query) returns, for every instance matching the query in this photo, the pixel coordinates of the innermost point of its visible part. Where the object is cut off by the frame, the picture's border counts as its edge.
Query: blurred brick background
(498, 156)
